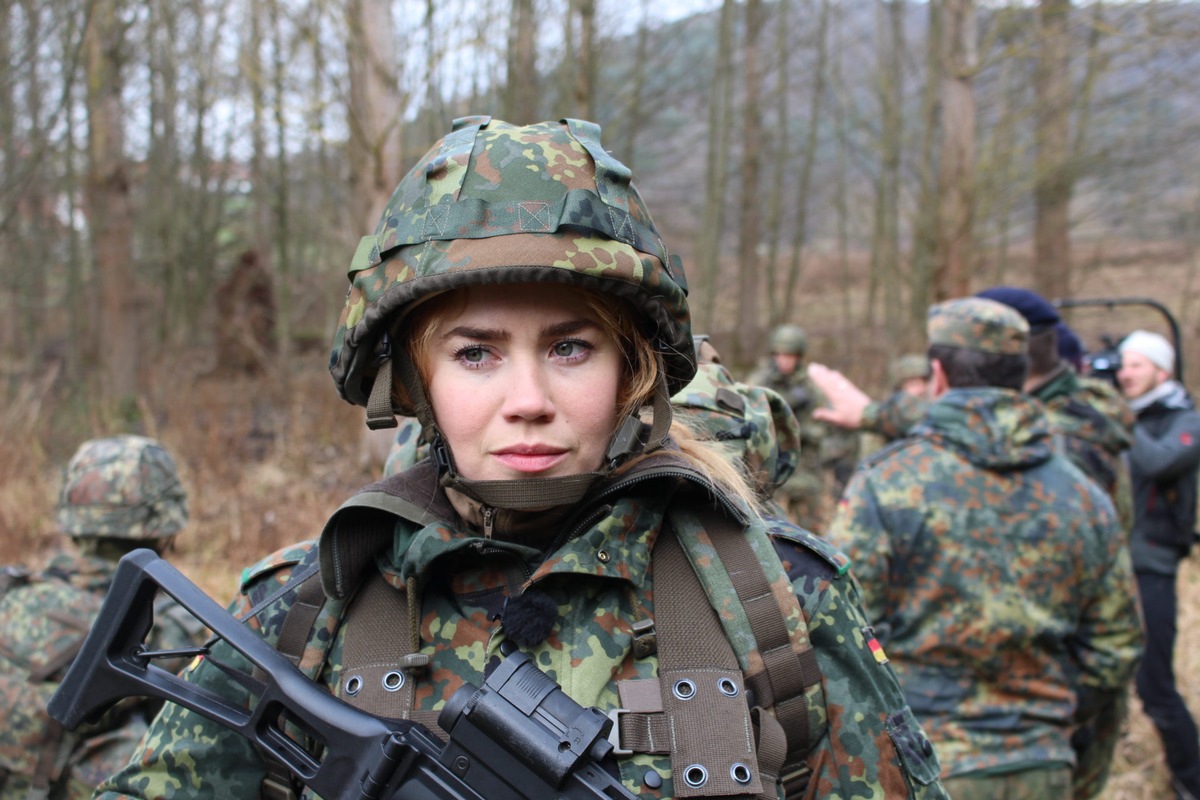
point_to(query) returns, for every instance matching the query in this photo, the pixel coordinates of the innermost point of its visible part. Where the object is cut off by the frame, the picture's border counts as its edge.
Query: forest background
(182, 183)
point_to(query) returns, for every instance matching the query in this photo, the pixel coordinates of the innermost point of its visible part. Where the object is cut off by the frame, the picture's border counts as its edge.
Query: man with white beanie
(1164, 462)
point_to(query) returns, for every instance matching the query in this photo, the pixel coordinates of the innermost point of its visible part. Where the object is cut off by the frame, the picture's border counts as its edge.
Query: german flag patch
(873, 645)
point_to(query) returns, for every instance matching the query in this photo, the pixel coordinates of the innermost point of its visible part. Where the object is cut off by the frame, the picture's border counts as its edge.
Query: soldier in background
(804, 496)
(754, 424)
(993, 571)
(118, 494)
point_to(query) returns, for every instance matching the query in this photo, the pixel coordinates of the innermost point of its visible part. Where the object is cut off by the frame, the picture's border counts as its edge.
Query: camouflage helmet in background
(789, 339)
(495, 203)
(905, 367)
(122, 487)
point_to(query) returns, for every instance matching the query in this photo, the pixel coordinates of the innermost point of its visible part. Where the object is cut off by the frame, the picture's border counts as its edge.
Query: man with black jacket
(1163, 462)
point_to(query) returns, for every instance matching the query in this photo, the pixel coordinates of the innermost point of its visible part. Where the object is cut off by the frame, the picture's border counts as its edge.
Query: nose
(528, 395)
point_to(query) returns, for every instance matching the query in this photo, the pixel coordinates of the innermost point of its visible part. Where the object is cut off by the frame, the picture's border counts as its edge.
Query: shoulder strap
(701, 686)
(779, 662)
(787, 672)
(381, 652)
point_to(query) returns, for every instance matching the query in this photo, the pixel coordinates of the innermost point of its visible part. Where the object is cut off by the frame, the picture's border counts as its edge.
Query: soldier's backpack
(43, 623)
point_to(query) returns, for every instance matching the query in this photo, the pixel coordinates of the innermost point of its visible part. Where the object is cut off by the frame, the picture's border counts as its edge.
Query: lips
(530, 458)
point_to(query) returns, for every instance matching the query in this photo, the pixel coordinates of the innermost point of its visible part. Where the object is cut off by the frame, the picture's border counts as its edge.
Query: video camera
(1104, 363)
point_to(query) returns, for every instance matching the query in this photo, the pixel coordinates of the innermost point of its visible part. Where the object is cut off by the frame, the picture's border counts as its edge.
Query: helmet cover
(789, 339)
(493, 203)
(123, 487)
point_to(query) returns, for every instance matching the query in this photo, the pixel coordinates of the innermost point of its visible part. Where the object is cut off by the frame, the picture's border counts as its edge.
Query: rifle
(519, 737)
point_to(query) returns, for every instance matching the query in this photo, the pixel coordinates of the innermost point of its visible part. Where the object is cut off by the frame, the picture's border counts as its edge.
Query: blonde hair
(641, 372)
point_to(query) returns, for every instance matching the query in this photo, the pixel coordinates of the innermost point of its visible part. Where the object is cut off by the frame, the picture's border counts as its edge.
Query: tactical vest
(732, 699)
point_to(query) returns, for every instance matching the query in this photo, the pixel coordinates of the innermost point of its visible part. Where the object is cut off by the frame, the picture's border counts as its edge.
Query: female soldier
(517, 299)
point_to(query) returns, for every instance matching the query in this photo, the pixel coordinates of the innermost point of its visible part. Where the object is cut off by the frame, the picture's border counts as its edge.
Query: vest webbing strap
(710, 731)
(786, 674)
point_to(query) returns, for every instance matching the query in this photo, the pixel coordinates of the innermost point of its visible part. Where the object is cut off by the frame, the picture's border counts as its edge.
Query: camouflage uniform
(1092, 426)
(754, 424)
(894, 416)
(803, 495)
(121, 488)
(407, 448)
(1096, 426)
(598, 581)
(993, 571)
(466, 555)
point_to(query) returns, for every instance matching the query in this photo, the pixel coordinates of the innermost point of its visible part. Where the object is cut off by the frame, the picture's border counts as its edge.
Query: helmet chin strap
(533, 494)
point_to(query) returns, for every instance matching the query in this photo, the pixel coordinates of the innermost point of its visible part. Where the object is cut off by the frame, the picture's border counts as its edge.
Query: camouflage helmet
(911, 365)
(495, 203)
(123, 487)
(789, 339)
(753, 424)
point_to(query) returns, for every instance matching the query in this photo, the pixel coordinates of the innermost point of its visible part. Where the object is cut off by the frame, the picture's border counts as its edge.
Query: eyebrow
(498, 334)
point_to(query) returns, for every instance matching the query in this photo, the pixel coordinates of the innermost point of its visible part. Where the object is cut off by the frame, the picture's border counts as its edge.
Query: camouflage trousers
(1051, 783)
(1095, 742)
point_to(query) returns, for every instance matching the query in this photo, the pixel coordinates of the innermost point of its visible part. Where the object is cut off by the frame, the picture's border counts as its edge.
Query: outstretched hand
(846, 401)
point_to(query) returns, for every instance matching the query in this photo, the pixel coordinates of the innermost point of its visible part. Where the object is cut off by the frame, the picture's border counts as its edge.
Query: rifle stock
(517, 738)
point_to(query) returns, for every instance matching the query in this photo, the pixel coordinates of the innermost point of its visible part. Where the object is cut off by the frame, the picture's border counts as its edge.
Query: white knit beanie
(1152, 346)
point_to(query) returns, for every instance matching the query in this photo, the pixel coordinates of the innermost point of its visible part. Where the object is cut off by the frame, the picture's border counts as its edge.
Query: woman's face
(523, 380)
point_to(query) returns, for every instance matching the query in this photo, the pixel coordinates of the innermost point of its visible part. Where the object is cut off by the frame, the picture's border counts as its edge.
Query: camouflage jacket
(895, 415)
(996, 576)
(42, 623)
(1094, 427)
(866, 742)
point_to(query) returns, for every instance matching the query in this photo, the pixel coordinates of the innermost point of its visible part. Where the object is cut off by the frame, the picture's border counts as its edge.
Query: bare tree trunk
(1052, 181)
(885, 240)
(376, 106)
(632, 122)
(925, 229)
(110, 211)
(719, 128)
(35, 221)
(283, 235)
(782, 156)
(10, 331)
(841, 200)
(521, 88)
(808, 158)
(433, 87)
(585, 91)
(956, 179)
(568, 78)
(748, 334)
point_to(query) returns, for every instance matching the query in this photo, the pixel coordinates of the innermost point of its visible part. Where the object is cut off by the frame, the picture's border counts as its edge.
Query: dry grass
(266, 463)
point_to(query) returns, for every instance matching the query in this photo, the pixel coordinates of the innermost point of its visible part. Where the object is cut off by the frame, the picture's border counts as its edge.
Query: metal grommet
(604, 556)
(695, 775)
(393, 681)
(354, 685)
(684, 689)
(728, 687)
(740, 773)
